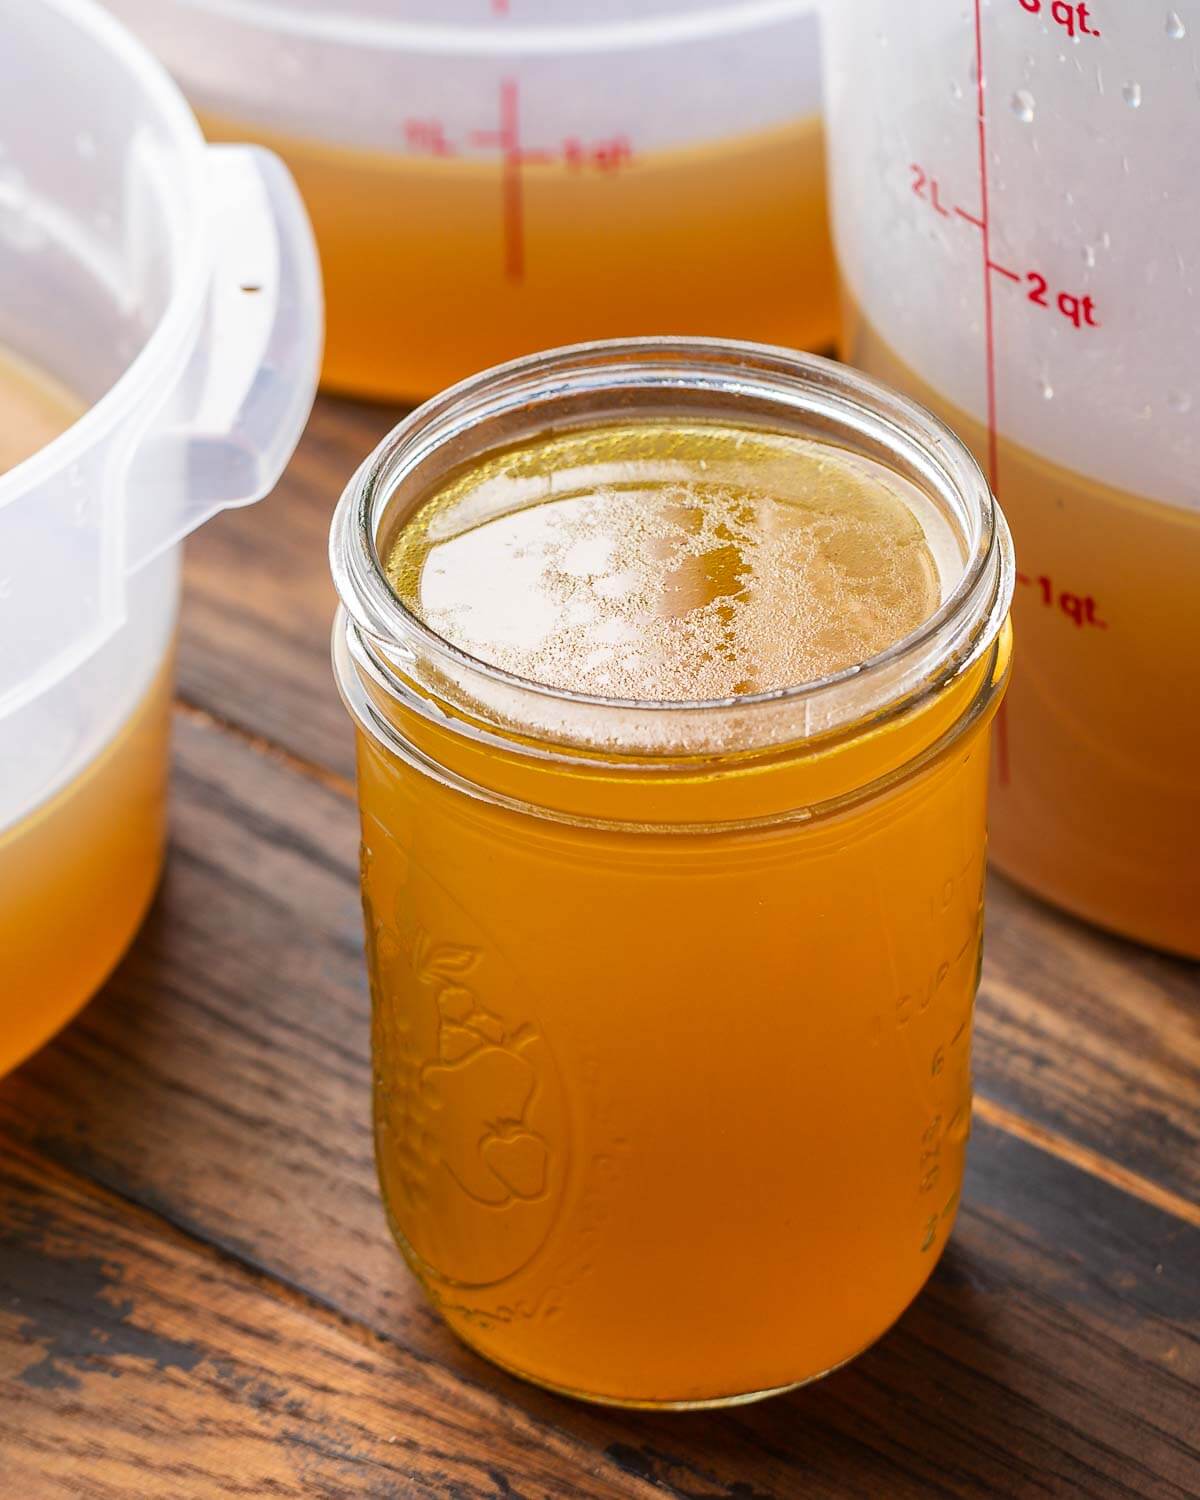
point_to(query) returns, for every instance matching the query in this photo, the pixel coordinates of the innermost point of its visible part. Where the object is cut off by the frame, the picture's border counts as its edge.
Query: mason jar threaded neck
(397, 654)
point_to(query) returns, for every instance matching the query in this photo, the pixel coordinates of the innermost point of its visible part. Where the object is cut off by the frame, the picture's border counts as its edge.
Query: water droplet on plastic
(1022, 105)
(1047, 389)
(956, 90)
(1132, 94)
(85, 144)
(1176, 30)
(1068, 197)
(1089, 255)
(18, 227)
(1106, 240)
(1179, 401)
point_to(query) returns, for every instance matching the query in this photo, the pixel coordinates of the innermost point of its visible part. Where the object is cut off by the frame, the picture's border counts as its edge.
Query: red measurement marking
(970, 218)
(604, 155)
(1003, 765)
(508, 139)
(1080, 609)
(500, 7)
(1004, 271)
(607, 155)
(927, 189)
(1079, 311)
(1071, 17)
(985, 231)
(428, 136)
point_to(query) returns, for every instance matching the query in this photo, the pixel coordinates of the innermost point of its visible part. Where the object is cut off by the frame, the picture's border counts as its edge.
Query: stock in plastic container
(1016, 193)
(487, 180)
(172, 290)
(672, 996)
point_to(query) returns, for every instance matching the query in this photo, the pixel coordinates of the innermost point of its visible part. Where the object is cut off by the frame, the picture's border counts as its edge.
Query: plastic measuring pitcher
(173, 289)
(1016, 191)
(492, 177)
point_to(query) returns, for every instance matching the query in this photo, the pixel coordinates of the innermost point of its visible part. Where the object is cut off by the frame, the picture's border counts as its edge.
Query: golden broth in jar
(672, 1009)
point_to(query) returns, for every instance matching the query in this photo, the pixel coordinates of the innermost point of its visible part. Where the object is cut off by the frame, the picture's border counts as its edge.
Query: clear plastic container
(1016, 205)
(174, 289)
(490, 179)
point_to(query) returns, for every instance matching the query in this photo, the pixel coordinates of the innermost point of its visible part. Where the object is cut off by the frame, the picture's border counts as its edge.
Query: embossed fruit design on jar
(468, 1107)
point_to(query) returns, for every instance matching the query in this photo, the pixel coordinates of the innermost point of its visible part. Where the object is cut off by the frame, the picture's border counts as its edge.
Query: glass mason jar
(672, 1001)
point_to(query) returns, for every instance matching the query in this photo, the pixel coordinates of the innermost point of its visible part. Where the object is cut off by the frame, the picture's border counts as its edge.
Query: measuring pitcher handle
(225, 433)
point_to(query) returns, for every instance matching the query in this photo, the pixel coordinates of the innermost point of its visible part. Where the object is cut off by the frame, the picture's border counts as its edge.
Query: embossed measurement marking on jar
(427, 135)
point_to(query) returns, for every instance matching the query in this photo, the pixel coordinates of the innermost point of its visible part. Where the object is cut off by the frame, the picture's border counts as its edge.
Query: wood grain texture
(1092, 1037)
(135, 1363)
(221, 1083)
(1088, 1036)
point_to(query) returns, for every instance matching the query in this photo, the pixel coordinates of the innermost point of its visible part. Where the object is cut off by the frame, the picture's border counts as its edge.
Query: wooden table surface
(198, 1295)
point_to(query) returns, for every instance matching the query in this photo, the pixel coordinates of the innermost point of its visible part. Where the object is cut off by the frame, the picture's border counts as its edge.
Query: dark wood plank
(1092, 1037)
(1085, 1035)
(135, 1363)
(221, 1080)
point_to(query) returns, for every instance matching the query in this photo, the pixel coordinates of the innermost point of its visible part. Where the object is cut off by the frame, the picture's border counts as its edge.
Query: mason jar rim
(849, 404)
